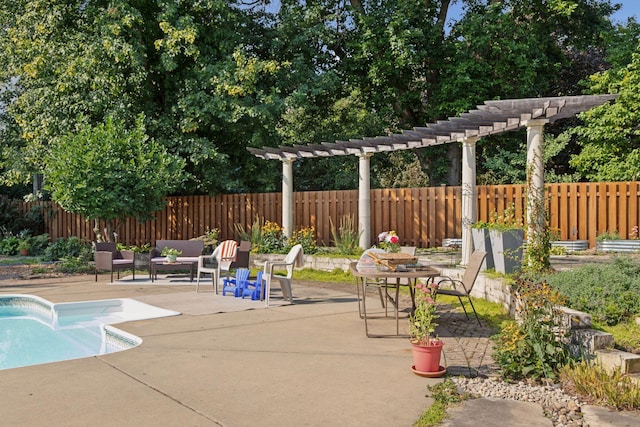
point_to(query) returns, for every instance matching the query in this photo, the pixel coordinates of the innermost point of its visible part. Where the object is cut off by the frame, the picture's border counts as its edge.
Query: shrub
(13, 220)
(39, 244)
(346, 238)
(253, 235)
(9, 245)
(79, 264)
(610, 388)
(271, 238)
(305, 237)
(533, 345)
(606, 235)
(609, 292)
(67, 248)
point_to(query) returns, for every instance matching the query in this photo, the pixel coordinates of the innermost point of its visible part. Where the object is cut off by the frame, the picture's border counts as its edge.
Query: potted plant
(141, 256)
(171, 254)
(24, 246)
(426, 348)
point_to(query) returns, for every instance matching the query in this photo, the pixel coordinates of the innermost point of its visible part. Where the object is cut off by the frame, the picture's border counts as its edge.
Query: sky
(629, 8)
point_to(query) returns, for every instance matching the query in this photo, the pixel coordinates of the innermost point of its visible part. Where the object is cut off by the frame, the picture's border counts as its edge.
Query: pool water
(34, 331)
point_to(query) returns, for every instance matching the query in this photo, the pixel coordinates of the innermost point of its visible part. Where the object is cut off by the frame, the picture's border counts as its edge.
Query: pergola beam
(490, 118)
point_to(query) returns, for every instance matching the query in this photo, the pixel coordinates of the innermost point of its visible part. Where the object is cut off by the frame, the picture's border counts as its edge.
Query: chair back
(473, 269)
(105, 247)
(226, 253)
(295, 258)
(409, 250)
(242, 258)
(242, 276)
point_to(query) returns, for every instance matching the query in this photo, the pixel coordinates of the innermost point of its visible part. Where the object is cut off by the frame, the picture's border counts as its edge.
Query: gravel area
(563, 410)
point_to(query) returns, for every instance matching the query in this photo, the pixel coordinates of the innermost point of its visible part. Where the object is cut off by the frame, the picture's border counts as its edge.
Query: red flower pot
(427, 358)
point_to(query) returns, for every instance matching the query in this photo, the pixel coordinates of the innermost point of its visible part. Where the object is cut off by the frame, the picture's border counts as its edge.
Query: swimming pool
(35, 331)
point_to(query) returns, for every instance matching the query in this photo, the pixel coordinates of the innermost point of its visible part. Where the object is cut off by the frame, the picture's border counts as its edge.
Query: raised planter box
(507, 247)
(620, 245)
(450, 242)
(571, 245)
(317, 262)
(482, 242)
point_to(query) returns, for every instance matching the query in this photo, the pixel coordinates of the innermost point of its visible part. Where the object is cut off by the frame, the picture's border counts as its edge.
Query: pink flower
(394, 239)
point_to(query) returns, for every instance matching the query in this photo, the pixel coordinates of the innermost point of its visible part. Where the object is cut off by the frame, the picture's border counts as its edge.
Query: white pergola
(490, 118)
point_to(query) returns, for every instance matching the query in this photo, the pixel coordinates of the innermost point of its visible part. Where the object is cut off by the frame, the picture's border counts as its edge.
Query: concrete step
(629, 363)
(575, 319)
(590, 340)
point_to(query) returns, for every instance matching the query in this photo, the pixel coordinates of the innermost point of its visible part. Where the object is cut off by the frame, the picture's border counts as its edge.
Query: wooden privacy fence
(422, 217)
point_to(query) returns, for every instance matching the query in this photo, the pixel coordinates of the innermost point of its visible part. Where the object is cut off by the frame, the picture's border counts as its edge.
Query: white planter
(506, 247)
(482, 242)
(619, 245)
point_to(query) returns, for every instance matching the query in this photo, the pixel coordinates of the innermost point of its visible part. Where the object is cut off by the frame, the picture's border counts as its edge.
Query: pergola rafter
(490, 118)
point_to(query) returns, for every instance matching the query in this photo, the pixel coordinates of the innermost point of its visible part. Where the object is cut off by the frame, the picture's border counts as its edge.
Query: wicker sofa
(188, 260)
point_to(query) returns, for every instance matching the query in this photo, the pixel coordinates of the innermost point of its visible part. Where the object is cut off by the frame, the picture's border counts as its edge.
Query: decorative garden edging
(618, 245)
(317, 262)
(571, 245)
(451, 241)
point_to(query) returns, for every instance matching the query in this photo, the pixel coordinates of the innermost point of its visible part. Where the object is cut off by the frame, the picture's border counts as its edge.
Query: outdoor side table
(375, 276)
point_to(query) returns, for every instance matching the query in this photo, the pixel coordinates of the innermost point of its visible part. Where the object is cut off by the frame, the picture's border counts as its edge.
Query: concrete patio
(304, 364)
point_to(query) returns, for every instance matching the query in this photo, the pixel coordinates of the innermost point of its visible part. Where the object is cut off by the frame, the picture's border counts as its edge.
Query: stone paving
(467, 349)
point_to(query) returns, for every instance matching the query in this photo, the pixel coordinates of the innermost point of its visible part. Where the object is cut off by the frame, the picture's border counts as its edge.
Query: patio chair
(462, 287)
(253, 289)
(236, 284)
(108, 258)
(242, 259)
(220, 260)
(295, 258)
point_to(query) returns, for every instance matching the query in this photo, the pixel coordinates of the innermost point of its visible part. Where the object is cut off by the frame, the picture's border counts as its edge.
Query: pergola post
(469, 214)
(364, 199)
(535, 179)
(491, 118)
(287, 197)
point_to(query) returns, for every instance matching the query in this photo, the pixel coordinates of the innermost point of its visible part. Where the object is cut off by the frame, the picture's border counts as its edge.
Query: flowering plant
(389, 241)
(422, 322)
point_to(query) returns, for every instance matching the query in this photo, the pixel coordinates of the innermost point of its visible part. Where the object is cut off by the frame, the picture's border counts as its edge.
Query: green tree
(517, 49)
(610, 135)
(109, 172)
(194, 68)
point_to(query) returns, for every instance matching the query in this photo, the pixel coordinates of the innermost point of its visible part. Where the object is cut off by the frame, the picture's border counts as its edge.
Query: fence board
(421, 216)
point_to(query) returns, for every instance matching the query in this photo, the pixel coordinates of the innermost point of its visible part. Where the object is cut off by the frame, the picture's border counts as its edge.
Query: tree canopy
(213, 77)
(108, 172)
